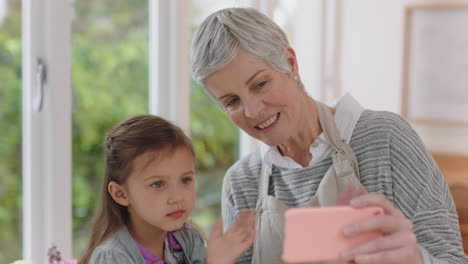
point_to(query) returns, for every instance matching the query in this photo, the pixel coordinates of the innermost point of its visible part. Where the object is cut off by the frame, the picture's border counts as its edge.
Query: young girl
(148, 194)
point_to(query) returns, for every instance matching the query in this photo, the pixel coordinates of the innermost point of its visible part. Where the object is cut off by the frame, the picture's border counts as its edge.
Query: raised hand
(225, 248)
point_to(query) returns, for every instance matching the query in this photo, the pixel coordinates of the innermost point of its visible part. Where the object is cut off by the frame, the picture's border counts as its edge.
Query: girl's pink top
(150, 258)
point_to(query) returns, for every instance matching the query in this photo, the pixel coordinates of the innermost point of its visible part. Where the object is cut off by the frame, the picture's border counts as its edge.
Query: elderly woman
(312, 153)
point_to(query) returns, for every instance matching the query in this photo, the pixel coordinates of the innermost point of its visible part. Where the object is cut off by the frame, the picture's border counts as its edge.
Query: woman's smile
(268, 124)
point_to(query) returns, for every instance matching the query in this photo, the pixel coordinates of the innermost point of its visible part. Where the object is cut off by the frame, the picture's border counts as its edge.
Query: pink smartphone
(314, 234)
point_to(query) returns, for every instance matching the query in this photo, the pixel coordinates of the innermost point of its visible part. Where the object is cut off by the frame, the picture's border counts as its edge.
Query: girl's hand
(226, 248)
(398, 245)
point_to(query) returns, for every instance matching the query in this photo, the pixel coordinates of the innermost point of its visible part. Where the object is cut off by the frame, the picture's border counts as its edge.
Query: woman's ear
(290, 56)
(117, 192)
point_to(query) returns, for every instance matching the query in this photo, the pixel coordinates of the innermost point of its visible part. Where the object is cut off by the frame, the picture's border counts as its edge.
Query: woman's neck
(149, 237)
(298, 146)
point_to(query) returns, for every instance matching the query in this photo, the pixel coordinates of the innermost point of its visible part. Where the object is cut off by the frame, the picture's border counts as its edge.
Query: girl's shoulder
(119, 248)
(106, 255)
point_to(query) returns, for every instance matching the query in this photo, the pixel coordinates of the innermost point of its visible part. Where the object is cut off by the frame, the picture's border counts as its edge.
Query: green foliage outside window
(10, 133)
(110, 83)
(110, 78)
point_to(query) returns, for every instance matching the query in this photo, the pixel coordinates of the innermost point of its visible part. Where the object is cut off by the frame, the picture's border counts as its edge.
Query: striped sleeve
(229, 214)
(423, 195)
(228, 211)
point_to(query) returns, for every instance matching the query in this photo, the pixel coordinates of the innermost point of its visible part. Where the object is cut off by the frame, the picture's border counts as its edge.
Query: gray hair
(221, 34)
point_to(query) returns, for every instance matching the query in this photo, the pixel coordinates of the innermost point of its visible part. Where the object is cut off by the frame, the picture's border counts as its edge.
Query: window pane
(214, 136)
(10, 127)
(110, 80)
(302, 22)
(285, 16)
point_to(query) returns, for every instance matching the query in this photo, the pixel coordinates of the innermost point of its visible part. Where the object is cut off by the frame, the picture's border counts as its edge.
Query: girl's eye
(187, 180)
(157, 184)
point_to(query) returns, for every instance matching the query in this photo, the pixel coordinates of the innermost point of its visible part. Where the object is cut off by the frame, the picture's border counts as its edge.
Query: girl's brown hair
(123, 144)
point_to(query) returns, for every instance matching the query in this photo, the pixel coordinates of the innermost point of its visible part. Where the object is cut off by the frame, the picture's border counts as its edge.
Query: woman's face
(259, 99)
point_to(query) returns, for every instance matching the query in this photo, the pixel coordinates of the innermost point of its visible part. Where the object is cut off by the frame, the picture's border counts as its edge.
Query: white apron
(270, 211)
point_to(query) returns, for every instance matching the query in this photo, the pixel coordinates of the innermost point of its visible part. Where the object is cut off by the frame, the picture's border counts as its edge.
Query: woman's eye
(261, 84)
(232, 102)
(157, 184)
(187, 180)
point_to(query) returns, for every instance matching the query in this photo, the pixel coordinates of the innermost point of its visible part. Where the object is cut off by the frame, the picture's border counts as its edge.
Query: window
(110, 59)
(10, 122)
(285, 16)
(302, 21)
(110, 81)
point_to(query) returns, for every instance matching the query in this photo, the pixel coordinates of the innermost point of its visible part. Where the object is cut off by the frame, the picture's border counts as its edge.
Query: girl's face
(260, 100)
(160, 191)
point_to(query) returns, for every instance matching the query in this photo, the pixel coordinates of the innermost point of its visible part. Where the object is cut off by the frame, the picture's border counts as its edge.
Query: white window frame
(308, 45)
(169, 70)
(47, 202)
(332, 13)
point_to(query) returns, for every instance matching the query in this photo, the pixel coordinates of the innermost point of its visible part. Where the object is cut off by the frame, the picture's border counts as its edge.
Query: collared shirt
(348, 111)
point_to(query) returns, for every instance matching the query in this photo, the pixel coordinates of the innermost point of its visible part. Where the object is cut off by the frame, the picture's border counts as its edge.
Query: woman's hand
(226, 248)
(345, 197)
(398, 245)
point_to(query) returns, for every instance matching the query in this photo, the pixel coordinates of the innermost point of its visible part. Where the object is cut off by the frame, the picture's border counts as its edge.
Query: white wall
(308, 45)
(372, 62)
(3, 10)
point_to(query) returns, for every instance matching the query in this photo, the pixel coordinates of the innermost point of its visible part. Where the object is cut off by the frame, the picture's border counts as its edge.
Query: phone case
(316, 233)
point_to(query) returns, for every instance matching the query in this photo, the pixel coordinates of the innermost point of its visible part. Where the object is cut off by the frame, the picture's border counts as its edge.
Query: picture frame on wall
(435, 64)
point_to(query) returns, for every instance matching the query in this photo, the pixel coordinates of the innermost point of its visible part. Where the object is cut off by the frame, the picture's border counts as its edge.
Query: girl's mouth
(176, 214)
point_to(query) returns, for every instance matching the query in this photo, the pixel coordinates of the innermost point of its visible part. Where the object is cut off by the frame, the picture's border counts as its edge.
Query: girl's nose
(175, 197)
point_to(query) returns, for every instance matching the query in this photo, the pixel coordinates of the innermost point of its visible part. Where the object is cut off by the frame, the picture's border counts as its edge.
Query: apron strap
(332, 136)
(330, 131)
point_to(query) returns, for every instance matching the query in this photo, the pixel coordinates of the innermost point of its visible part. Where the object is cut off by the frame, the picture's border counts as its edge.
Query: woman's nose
(253, 107)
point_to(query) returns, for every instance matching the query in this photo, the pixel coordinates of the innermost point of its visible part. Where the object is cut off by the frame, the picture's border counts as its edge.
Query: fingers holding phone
(398, 245)
(344, 198)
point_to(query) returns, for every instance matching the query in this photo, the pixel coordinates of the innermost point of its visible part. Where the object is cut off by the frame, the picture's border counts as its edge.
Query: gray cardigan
(121, 248)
